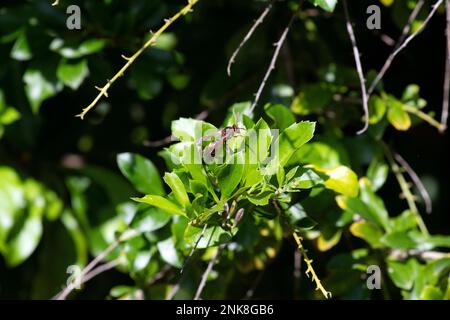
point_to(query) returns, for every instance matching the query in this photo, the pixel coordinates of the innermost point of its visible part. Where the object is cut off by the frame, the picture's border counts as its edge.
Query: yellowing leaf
(397, 116)
(341, 180)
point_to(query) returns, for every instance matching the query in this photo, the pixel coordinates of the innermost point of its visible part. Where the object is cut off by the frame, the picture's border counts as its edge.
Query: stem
(207, 272)
(168, 22)
(445, 103)
(310, 269)
(403, 45)
(425, 117)
(359, 69)
(249, 34)
(405, 187)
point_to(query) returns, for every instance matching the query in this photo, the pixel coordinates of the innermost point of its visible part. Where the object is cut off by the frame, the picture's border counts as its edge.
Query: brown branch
(100, 269)
(68, 289)
(444, 116)
(359, 69)
(415, 178)
(249, 34)
(208, 270)
(278, 46)
(402, 45)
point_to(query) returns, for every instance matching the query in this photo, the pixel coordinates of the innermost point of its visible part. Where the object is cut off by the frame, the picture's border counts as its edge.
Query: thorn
(126, 58)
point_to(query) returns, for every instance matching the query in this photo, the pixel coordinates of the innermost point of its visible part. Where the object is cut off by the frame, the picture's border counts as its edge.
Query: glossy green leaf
(327, 5)
(231, 175)
(21, 50)
(141, 172)
(169, 253)
(162, 203)
(398, 117)
(87, 47)
(341, 180)
(281, 115)
(213, 236)
(191, 129)
(403, 274)
(368, 231)
(38, 88)
(72, 74)
(178, 189)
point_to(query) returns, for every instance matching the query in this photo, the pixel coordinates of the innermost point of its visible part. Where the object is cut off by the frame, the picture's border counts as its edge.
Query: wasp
(225, 134)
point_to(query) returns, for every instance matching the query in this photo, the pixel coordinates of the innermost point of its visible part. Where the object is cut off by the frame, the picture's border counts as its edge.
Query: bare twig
(415, 178)
(297, 272)
(69, 288)
(444, 116)
(359, 69)
(208, 270)
(405, 187)
(249, 34)
(100, 269)
(278, 46)
(168, 22)
(251, 291)
(399, 254)
(400, 46)
(194, 248)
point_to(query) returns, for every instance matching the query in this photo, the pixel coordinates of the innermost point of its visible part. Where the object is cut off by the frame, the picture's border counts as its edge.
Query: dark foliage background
(184, 79)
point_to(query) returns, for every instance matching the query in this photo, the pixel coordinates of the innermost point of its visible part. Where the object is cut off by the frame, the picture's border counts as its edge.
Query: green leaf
(288, 142)
(431, 293)
(150, 219)
(377, 109)
(298, 218)
(38, 88)
(398, 117)
(368, 231)
(377, 173)
(327, 5)
(141, 172)
(191, 129)
(169, 253)
(399, 240)
(231, 175)
(374, 203)
(72, 74)
(305, 178)
(403, 274)
(312, 98)
(404, 222)
(281, 115)
(71, 52)
(178, 189)
(213, 236)
(21, 49)
(162, 203)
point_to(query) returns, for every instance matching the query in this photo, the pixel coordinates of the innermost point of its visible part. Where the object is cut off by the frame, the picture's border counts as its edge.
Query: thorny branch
(309, 268)
(168, 22)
